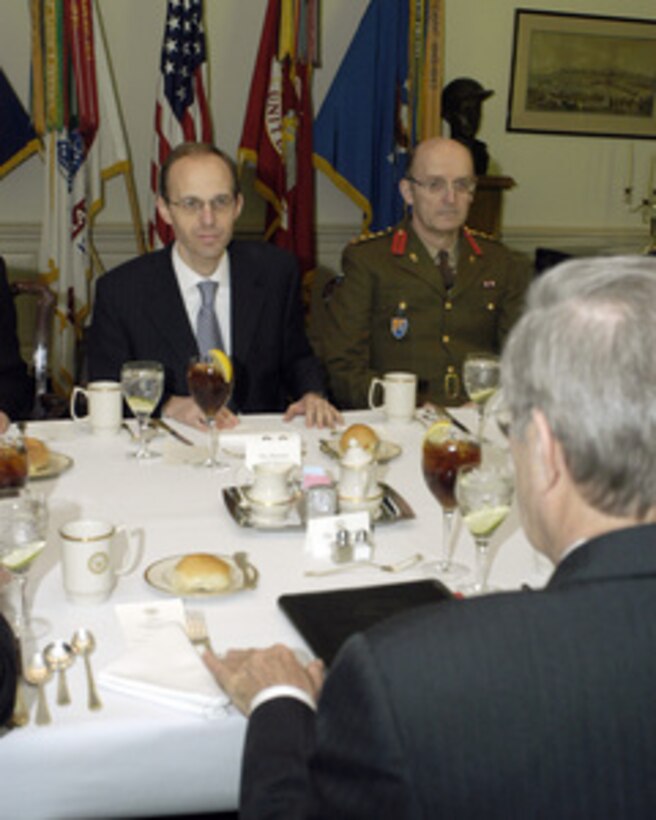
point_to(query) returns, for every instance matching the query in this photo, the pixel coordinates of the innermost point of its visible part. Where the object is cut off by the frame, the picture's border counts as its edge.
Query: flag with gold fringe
(277, 134)
(384, 98)
(75, 110)
(18, 139)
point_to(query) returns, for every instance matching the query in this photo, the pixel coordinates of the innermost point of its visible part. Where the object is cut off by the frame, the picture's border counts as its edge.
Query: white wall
(567, 186)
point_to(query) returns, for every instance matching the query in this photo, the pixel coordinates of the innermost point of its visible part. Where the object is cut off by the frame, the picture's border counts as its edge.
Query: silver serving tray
(393, 508)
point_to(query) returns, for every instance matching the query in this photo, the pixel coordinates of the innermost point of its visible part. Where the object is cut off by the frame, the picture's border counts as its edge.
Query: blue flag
(361, 133)
(18, 139)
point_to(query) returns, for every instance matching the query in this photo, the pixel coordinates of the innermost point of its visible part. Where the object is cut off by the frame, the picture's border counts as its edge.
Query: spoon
(59, 656)
(83, 643)
(403, 564)
(38, 674)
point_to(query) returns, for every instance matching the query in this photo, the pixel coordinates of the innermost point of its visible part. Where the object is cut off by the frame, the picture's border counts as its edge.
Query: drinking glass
(496, 409)
(481, 374)
(445, 449)
(484, 494)
(142, 384)
(23, 530)
(209, 378)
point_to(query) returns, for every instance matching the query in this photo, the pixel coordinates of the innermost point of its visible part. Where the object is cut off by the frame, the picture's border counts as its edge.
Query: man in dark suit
(532, 704)
(16, 389)
(148, 307)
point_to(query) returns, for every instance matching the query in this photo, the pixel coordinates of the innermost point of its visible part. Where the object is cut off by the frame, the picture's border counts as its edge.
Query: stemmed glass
(497, 409)
(481, 374)
(23, 530)
(209, 378)
(445, 449)
(142, 383)
(484, 494)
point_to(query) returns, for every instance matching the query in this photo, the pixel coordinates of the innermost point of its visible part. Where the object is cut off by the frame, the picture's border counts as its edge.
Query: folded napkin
(167, 669)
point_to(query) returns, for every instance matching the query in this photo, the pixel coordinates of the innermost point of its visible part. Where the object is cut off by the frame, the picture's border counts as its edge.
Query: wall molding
(115, 244)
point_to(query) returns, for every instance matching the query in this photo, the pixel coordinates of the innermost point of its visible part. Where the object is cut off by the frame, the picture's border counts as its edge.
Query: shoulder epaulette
(367, 236)
(474, 232)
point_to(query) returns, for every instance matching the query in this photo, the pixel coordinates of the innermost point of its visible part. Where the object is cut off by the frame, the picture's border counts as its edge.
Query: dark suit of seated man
(16, 389)
(148, 308)
(531, 704)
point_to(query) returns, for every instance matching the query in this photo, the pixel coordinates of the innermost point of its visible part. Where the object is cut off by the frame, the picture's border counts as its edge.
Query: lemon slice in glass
(439, 431)
(21, 557)
(222, 361)
(482, 523)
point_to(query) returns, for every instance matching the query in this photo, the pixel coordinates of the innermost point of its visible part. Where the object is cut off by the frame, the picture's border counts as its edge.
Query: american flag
(181, 112)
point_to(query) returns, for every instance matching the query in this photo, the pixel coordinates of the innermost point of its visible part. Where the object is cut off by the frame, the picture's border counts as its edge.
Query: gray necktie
(208, 332)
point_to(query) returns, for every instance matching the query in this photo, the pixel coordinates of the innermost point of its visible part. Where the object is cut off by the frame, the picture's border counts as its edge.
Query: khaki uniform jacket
(392, 311)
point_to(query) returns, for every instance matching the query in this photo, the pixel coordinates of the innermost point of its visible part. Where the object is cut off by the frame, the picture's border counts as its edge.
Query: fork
(196, 629)
(404, 563)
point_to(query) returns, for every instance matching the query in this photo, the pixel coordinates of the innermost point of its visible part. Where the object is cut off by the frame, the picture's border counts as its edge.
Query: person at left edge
(147, 307)
(16, 389)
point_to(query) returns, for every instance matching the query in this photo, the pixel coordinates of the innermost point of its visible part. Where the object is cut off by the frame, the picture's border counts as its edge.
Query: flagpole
(134, 210)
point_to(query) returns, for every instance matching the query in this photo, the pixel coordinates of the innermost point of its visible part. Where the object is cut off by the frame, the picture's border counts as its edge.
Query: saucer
(269, 512)
(371, 503)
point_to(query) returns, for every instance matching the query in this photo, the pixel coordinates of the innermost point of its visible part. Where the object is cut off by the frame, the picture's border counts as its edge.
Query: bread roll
(201, 572)
(38, 454)
(363, 434)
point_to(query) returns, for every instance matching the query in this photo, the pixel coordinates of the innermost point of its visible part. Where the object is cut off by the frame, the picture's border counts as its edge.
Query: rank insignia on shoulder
(399, 242)
(473, 244)
(399, 322)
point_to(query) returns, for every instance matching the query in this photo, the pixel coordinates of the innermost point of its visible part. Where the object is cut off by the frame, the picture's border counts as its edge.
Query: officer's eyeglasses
(436, 186)
(194, 205)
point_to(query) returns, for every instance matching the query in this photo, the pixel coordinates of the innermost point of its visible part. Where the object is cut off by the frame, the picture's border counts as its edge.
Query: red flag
(182, 112)
(277, 134)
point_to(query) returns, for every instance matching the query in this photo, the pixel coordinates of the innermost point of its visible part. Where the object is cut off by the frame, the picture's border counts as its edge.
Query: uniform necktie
(448, 274)
(208, 332)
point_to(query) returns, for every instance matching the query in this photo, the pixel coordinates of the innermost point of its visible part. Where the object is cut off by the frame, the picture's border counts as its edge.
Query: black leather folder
(326, 619)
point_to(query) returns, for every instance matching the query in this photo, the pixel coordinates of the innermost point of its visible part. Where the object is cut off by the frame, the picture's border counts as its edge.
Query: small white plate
(57, 464)
(159, 575)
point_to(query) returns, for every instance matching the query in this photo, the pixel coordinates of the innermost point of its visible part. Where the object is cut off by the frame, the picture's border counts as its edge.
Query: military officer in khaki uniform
(423, 295)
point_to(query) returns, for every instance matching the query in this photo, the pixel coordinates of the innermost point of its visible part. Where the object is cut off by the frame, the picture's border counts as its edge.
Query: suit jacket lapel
(166, 309)
(247, 292)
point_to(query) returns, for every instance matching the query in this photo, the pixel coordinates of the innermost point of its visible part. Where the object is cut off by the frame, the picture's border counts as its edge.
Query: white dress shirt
(188, 281)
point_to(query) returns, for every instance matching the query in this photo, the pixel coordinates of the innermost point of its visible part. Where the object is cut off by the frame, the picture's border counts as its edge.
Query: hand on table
(185, 410)
(4, 421)
(243, 673)
(318, 411)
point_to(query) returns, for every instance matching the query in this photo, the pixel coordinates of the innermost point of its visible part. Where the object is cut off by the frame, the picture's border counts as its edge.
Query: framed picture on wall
(583, 74)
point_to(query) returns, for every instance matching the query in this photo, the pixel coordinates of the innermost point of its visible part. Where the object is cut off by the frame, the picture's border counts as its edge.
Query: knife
(172, 431)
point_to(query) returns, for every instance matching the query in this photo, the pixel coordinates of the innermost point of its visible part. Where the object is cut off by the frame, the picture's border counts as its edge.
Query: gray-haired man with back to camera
(530, 704)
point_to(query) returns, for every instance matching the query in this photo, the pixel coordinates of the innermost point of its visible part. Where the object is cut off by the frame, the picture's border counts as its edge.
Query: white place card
(280, 448)
(139, 621)
(321, 533)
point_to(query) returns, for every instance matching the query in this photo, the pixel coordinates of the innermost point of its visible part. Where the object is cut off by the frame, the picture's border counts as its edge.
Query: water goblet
(209, 378)
(484, 494)
(23, 531)
(481, 374)
(142, 383)
(445, 449)
(496, 409)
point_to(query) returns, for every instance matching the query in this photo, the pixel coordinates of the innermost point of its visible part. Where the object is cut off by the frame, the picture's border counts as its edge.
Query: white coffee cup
(271, 482)
(105, 406)
(91, 560)
(399, 395)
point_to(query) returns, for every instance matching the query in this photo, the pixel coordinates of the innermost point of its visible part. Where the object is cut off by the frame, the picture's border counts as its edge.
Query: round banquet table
(137, 758)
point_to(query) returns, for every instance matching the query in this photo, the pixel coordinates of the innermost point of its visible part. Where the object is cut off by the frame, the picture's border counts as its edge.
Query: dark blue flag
(18, 140)
(361, 134)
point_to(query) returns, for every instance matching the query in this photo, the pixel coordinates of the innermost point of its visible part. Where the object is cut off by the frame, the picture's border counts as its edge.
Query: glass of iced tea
(13, 463)
(446, 449)
(209, 378)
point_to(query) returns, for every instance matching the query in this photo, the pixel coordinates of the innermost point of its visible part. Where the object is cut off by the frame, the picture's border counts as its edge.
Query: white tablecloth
(135, 758)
